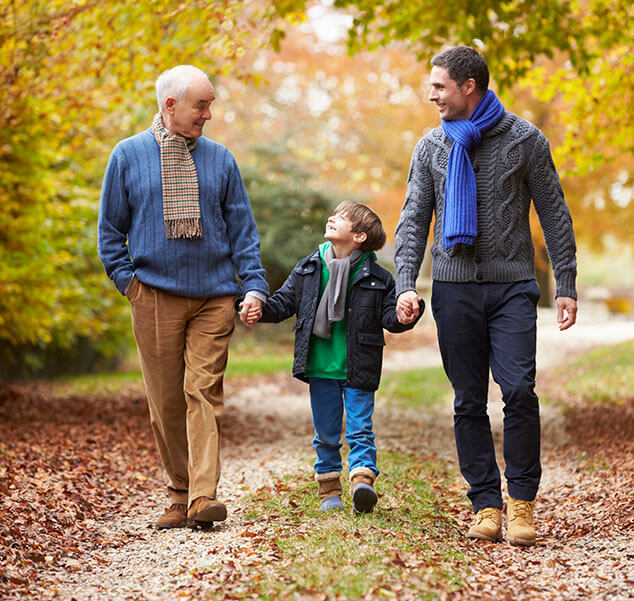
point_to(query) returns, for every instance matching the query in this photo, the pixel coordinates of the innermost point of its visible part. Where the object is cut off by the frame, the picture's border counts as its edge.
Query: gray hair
(175, 82)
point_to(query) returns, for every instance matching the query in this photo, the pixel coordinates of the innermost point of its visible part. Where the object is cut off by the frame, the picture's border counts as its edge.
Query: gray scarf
(332, 306)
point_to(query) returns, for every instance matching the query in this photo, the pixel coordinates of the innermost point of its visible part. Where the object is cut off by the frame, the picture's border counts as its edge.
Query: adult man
(178, 200)
(478, 172)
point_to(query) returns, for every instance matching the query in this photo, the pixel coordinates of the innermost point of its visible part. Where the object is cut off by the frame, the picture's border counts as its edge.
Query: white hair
(175, 82)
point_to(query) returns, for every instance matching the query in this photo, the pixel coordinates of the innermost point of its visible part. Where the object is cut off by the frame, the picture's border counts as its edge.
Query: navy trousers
(482, 326)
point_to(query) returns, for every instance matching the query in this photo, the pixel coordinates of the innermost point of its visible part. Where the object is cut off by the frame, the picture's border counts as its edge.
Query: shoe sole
(325, 507)
(207, 517)
(520, 542)
(491, 539)
(170, 526)
(364, 499)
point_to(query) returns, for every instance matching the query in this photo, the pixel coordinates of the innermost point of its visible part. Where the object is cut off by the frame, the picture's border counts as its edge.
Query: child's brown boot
(330, 491)
(364, 497)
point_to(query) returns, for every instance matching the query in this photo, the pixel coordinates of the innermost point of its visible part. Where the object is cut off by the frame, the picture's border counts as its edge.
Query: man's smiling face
(449, 97)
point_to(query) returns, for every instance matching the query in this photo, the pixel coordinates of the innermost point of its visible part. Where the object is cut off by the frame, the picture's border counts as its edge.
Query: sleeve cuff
(405, 282)
(258, 294)
(566, 286)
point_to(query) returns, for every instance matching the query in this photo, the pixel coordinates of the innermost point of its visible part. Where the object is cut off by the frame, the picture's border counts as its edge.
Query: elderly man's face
(188, 116)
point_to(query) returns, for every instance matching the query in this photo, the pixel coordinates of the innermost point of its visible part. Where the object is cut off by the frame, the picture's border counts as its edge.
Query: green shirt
(327, 357)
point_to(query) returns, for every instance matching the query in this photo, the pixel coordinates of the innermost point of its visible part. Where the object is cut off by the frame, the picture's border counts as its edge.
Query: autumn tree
(591, 42)
(73, 79)
(567, 66)
(290, 212)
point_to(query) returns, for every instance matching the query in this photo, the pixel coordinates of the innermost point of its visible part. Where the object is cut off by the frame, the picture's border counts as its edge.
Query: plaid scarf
(181, 206)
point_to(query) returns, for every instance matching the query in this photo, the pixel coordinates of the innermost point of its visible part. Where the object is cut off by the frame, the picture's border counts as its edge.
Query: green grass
(245, 360)
(604, 375)
(264, 361)
(410, 546)
(427, 388)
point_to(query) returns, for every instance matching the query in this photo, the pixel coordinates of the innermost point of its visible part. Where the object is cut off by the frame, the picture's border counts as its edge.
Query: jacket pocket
(372, 283)
(371, 338)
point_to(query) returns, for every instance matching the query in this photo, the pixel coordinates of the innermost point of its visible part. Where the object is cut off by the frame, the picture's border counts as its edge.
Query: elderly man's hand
(250, 310)
(407, 308)
(566, 312)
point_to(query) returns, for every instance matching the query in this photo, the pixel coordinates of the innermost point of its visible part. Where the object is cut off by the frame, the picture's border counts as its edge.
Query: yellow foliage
(72, 78)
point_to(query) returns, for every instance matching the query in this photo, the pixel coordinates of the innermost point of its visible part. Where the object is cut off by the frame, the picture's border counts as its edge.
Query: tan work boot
(204, 511)
(520, 528)
(487, 525)
(330, 491)
(174, 517)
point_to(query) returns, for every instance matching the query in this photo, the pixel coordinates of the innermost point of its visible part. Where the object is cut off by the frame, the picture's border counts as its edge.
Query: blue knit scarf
(460, 215)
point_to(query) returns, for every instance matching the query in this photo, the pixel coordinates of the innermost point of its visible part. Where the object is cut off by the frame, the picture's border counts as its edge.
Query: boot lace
(522, 510)
(489, 513)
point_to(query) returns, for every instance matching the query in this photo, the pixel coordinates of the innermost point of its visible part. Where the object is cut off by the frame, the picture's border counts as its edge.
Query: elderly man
(478, 173)
(175, 227)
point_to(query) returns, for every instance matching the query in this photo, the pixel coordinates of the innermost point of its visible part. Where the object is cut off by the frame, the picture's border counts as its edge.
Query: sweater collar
(501, 127)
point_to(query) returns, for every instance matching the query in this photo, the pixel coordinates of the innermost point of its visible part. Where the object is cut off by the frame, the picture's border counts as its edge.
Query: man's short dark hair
(364, 221)
(462, 63)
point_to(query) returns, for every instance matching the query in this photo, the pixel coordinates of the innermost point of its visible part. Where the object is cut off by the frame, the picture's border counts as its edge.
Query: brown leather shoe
(204, 511)
(174, 517)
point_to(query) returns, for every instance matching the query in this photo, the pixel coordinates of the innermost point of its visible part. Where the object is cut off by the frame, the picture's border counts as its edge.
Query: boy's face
(339, 230)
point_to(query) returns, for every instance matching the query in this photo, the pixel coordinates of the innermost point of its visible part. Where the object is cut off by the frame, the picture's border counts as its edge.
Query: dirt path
(583, 552)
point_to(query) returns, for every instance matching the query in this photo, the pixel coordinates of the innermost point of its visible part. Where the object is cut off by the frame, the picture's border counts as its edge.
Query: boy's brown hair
(364, 220)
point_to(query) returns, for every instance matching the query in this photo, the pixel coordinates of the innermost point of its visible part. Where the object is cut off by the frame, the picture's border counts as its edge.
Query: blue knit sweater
(131, 211)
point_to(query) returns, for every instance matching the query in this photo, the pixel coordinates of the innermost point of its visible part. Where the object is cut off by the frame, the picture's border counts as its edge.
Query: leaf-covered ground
(80, 485)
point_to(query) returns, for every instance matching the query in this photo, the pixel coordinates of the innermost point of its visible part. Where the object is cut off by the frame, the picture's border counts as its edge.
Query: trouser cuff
(177, 496)
(327, 476)
(522, 493)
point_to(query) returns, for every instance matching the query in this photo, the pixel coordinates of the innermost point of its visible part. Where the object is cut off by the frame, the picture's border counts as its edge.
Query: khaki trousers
(183, 347)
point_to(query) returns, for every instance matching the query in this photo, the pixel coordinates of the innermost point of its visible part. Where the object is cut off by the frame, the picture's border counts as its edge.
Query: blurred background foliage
(318, 101)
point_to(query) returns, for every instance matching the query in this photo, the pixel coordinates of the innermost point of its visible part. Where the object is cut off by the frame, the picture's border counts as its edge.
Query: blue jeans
(327, 401)
(482, 326)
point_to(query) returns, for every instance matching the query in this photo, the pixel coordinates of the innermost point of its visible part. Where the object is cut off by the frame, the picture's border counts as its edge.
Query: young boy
(342, 300)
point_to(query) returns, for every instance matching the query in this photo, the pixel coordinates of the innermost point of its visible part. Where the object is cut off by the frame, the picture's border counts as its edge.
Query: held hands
(407, 308)
(566, 312)
(250, 310)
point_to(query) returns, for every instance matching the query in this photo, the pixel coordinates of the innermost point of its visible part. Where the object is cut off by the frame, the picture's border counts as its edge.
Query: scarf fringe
(183, 228)
(179, 180)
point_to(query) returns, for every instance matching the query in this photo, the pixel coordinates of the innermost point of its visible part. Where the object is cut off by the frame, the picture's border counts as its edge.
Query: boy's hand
(407, 308)
(250, 310)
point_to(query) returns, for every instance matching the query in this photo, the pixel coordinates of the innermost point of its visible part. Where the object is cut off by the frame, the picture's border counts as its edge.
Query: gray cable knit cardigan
(512, 165)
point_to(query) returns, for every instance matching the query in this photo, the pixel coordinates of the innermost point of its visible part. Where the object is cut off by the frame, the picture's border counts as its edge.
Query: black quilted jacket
(371, 307)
